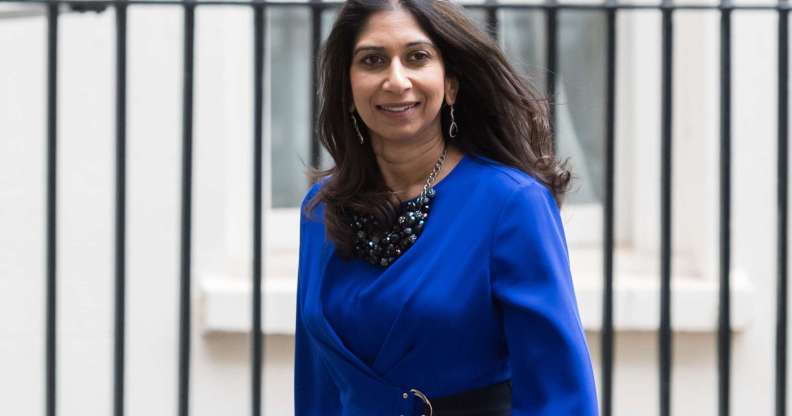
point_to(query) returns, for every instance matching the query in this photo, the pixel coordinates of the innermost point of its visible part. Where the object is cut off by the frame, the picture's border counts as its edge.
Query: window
(580, 112)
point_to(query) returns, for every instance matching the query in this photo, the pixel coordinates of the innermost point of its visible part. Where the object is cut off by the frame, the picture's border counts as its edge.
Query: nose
(397, 80)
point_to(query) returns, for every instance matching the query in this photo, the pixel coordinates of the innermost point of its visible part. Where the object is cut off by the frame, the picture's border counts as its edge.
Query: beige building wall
(221, 229)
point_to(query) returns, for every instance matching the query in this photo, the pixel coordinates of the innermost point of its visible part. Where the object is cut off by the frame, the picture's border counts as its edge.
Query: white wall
(221, 249)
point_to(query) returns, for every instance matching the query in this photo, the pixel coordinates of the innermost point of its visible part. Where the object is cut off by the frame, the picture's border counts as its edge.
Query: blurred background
(222, 184)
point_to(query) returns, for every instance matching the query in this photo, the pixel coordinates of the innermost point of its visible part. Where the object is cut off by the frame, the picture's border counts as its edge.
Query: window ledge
(694, 303)
(226, 304)
(17, 10)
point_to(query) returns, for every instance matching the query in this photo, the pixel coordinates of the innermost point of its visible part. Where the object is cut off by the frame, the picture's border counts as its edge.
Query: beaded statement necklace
(383, 247)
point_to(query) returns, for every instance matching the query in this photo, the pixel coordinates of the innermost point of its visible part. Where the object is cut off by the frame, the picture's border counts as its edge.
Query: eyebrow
(380, 48)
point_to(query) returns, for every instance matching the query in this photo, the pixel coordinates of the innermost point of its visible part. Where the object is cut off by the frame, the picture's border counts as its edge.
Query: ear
(451, 89)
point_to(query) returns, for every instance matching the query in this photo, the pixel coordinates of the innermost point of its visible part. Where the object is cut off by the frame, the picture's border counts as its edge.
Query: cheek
(435, 86)
(363, 89)
(435, 92)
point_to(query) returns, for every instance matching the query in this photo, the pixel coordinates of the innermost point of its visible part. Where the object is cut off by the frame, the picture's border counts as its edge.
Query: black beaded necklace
(383, 247)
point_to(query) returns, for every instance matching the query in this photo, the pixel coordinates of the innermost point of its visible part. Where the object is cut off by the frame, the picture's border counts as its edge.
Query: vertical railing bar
(724, 313)
(608, 216)
(551, 39)
(52, 166)
(258, 128)
(120, 217)
(492, 19)
(783, 204)
(665, 339)
(316, 40)
(186, 211)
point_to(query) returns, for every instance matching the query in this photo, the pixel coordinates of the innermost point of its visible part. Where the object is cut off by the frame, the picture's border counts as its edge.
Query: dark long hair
(500, 114)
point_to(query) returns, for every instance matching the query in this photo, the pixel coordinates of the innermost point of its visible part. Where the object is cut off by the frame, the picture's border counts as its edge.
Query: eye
(420, 56)
(371, 60)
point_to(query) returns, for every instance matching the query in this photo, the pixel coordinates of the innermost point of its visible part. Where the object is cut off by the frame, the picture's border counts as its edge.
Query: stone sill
(18, 10)
(226, 304)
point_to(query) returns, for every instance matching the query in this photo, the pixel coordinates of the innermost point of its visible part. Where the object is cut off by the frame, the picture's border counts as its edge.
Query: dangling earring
(355, 123)
(453, 129)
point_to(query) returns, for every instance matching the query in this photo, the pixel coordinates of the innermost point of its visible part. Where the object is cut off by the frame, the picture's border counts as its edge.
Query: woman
(434, 275)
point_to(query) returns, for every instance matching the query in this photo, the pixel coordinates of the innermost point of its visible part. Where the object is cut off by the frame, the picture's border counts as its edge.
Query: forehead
(391, 27)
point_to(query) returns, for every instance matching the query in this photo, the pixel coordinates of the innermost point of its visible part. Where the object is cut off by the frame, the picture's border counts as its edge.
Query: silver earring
(357, 129)
(453, 129)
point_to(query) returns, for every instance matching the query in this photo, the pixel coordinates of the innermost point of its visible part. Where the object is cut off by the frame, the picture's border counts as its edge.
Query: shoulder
(507, 183)
(317, 208)
(524, 208)
(312, 191)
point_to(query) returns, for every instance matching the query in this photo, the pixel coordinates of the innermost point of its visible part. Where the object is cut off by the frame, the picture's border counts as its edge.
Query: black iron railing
(551, 9)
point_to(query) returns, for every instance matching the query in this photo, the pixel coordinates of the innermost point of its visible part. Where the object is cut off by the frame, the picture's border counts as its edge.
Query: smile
(397, 108)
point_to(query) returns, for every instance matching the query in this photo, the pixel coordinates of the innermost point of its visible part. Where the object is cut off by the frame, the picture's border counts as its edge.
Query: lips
(397, 108)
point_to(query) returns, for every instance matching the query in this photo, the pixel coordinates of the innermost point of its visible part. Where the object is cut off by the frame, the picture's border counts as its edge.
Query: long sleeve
(532, 286)
(315, 392)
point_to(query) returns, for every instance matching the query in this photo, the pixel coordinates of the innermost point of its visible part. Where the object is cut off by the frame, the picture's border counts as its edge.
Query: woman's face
(397, 78)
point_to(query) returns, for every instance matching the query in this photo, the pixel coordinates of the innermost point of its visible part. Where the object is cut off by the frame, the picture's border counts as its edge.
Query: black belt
(492, 400)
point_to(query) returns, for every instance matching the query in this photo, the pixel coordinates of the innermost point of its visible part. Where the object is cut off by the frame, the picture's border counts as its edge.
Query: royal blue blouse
(484, 295)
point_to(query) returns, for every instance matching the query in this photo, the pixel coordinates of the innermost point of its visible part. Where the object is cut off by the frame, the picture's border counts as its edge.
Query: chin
(404, 134)
(399, 136)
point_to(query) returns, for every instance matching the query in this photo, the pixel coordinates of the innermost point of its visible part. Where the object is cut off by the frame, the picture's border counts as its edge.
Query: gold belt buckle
(426, 401)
